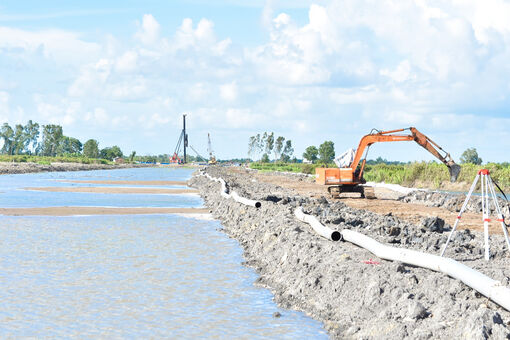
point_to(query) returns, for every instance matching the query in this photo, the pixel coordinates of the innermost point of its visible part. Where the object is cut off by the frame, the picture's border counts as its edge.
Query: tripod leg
(485, 212)
(499, 213)
(460, 213)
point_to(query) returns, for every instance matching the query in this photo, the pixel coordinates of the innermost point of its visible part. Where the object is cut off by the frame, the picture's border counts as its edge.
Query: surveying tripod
(487, 189)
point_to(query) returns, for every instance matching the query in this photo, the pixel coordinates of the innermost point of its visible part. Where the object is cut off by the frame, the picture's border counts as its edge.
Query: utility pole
(185, 135)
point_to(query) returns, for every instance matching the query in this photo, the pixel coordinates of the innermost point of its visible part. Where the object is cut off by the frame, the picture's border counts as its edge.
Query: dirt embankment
(28, 167)
(336, 282)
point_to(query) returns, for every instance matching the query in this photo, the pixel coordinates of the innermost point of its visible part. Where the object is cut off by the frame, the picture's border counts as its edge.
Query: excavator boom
(415, 135)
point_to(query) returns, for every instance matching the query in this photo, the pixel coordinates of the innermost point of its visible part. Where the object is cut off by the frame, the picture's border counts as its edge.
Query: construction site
(369, 260)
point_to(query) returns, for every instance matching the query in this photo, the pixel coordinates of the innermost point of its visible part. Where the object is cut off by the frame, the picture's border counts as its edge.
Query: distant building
(306, 161)
(119, 160)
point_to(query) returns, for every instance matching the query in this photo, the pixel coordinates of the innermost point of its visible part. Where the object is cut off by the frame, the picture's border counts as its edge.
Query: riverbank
(28, 167)
(352, 292)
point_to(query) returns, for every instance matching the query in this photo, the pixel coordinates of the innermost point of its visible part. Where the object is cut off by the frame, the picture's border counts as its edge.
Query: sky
(124, 72)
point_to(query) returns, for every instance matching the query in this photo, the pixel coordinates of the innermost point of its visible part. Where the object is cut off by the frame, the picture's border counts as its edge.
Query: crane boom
(212, 159)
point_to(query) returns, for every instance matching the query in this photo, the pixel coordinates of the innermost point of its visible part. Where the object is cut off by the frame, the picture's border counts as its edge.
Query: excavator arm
(415, 135)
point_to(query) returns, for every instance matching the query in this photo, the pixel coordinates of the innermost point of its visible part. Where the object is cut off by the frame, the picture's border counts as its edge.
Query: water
(159, 276)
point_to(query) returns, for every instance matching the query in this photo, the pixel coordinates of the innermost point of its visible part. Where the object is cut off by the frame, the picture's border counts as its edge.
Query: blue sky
(123, 72)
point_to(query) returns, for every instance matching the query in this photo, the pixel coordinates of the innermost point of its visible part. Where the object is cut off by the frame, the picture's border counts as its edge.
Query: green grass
(48, 160)
(288, 167)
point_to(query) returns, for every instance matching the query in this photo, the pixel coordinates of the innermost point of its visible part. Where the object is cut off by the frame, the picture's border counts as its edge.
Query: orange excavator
(350, 178)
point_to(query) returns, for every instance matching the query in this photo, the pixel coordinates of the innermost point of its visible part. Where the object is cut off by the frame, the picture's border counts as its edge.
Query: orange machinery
(349, 179)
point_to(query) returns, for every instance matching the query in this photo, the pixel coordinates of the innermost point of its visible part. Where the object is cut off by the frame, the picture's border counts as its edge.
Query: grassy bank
(48, 160)
(288, 167)
(419, 174)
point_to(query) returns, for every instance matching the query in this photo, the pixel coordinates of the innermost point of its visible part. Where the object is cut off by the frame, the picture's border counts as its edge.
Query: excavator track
(369, 193)
(365, 191)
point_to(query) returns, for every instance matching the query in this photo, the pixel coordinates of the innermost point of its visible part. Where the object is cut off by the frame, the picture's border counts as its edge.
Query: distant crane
(212, 159)
(183, 139)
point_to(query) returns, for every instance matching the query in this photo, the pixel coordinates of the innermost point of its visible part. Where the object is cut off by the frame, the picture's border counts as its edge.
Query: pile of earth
(453, 201)
(342, 285)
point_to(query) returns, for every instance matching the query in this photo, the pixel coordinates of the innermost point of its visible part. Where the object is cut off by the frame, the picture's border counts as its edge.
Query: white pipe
(317, 226)
(492, 289)
(245, 201)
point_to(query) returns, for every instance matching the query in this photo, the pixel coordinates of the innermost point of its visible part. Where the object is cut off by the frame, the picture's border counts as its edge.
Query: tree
(69, 145)
(278, 147)
(91, 149)
(31, 132)
(287, 151)
(18, 142)
(265, 158)
(110, 153)
(252, 145)
(470, 156)
(52, 134)
(269, 143)
(133, 154)
(7, 134)
(311, 153)
(258, 144)
(327, 152)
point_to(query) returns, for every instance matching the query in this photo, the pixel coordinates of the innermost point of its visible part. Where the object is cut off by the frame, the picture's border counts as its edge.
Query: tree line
(267, 145)
(49, 140)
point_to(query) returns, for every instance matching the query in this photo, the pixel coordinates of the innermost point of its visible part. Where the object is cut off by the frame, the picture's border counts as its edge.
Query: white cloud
(62, 112)
(61, 46)
(202, 38)
(98, 116)
(149, 30)
(127, 62)
(229, 91)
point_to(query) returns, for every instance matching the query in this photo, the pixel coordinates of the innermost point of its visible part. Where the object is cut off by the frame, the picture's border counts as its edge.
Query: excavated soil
(355, 294)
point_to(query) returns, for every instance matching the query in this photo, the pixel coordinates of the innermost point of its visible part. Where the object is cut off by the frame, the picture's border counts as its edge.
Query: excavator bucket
(454, 171)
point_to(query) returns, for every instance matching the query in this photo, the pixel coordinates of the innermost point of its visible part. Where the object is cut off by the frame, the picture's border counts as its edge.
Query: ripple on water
(133, 276)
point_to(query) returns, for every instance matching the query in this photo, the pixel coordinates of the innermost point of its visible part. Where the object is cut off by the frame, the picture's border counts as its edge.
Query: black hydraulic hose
(503, 193)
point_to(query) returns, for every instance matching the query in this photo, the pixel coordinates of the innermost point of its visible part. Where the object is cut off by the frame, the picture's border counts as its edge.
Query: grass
(45, 160)
(287, 167)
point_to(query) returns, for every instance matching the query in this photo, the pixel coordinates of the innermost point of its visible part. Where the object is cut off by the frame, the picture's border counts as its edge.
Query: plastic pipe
(245, 201)
(317, 226)
(492, 289)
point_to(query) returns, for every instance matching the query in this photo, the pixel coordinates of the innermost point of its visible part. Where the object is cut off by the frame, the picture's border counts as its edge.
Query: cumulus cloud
(58, 45)
(63, 112)
(229, 91)
(149, 30)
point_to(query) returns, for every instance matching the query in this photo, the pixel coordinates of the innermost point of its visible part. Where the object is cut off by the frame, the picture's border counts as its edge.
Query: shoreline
(337, 283)
(11, 168)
